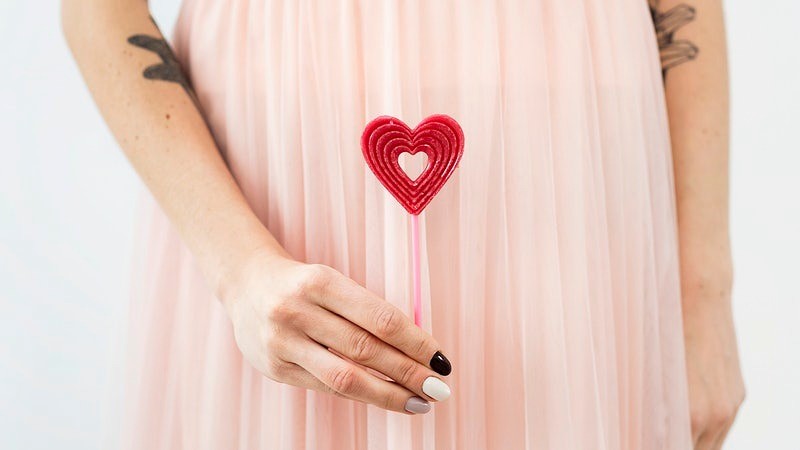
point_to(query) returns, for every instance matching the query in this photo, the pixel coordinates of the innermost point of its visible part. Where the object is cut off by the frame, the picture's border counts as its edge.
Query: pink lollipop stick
(416, 270)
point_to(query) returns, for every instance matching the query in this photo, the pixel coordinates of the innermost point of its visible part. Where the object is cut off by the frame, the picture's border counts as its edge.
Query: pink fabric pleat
(549, 261)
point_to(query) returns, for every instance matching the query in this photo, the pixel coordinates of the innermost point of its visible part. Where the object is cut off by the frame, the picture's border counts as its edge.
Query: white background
(68, 201)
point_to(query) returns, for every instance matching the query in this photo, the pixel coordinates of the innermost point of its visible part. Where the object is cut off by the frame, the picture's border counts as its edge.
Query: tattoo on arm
(169, 69)
(673, 51)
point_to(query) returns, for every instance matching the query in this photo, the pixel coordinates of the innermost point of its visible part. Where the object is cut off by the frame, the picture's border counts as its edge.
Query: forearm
(163, 134)
(692, 41)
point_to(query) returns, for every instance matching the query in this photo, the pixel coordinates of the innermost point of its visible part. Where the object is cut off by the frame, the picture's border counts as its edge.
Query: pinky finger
(294, 375)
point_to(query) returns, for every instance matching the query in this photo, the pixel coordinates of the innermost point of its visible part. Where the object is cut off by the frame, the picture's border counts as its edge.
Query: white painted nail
(436, 388)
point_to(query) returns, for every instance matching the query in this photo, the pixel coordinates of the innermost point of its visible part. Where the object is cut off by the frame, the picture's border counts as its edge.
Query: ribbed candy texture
(439, 136)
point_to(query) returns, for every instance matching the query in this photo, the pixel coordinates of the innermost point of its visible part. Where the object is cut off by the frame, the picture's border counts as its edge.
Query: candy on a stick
(440, 137)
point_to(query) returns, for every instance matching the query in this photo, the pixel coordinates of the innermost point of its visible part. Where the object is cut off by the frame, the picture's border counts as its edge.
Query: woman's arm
(691, 38)
(163, 134)
(284, 313)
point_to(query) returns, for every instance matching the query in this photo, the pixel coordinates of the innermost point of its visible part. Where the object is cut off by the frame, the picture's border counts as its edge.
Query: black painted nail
(440, 364)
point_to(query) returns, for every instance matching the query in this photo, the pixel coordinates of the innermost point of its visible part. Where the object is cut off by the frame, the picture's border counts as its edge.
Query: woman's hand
(716, 389)
(288, 316)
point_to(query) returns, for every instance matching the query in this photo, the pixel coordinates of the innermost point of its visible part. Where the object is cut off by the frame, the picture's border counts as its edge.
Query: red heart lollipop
(439, 136)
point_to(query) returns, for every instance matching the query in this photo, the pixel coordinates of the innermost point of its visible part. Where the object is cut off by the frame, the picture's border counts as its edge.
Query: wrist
(706, 266)
(231, 282)
(709, 284)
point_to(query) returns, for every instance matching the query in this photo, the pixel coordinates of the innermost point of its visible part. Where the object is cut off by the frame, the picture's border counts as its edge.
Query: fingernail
(416, 405)
(435, 388)
(440, 364)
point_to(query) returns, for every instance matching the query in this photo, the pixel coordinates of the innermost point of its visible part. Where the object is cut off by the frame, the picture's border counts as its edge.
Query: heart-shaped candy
(439, 136)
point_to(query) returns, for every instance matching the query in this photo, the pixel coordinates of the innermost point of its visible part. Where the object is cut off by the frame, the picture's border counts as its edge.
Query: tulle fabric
(550, 268)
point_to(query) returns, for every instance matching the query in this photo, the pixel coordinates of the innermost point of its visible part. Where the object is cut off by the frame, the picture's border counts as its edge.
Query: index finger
(352, 301)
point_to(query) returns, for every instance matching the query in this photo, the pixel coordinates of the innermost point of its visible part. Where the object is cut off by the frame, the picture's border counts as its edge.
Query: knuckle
(312, 279)
(389, 401)
(343, 380)
(283, 312)
(388, 322)
(421, 347)
(406, 372)
(329, 390)
(274, 345)
(363, 346)
(276, 369)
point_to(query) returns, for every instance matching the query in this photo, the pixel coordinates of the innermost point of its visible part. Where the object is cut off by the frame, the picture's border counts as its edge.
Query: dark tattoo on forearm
(673, 52)
(169, 69)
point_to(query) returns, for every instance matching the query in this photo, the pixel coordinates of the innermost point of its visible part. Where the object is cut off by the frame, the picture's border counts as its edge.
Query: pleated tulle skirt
(549, 261)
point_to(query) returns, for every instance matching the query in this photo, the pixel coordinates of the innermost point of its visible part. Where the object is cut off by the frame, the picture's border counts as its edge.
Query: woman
(576, 287)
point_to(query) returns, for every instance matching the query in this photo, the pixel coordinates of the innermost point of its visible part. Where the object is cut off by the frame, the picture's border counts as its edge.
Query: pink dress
(549, 261)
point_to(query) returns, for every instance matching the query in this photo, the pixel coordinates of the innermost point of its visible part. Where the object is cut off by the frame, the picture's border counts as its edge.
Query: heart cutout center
(413, 164)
